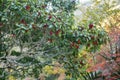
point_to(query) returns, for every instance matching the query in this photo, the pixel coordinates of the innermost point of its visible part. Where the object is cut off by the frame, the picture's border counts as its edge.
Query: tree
(36, 33)
(105, 13)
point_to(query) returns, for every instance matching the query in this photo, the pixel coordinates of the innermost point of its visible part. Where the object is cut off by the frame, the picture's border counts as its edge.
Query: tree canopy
(36, 33)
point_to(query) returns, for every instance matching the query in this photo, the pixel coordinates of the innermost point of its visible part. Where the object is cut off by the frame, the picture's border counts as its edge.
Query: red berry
(79, 41)
(45, 26)
(23, 21)
(57, 32)
(88, 45)
(95, 42)
(81, 62)
(51, 32)
(76, 46)
(91, 26)
(27, 7)
(49, 17)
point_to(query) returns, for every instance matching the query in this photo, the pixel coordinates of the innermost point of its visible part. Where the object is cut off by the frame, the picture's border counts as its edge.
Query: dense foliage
(36, 33)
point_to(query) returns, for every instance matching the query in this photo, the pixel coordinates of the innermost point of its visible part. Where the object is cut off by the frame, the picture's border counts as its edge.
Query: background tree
(106, 15)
